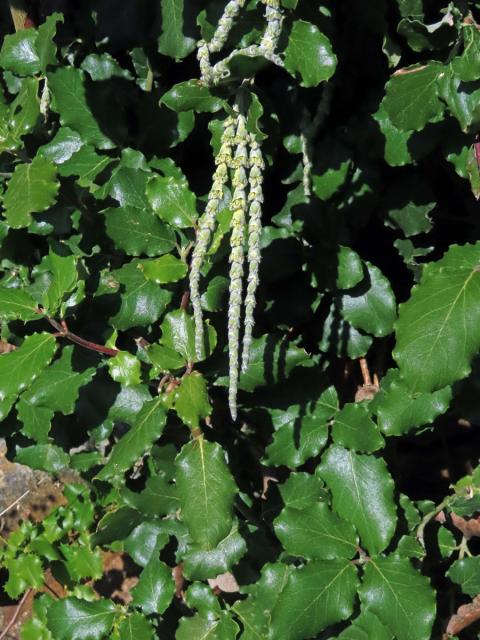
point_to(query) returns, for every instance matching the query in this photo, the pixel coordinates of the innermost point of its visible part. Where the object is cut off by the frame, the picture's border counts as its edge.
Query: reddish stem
(64, 332)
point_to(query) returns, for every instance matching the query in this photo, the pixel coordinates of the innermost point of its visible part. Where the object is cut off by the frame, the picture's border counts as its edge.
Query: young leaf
(74, 619)
(400, 597)
(147, 428)
(206, 490)
(23, 572)
(438, 330)
(19, 368)
(191, 400)
(362, 491)
(315, 532)
(309, 53)
(32, 188)
(155, 588)
(316, 596)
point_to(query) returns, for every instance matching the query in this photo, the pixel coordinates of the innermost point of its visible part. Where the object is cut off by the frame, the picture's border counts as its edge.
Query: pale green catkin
(273, 30)
(225, 24)
(207, 226)
(255, 198)
(237, 242)
(203, 57)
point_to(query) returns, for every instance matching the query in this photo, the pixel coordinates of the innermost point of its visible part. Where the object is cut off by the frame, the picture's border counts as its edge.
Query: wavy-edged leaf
(316, 596)
(315, 532)
(353, 428)
(438, 330)
(362, 491)
(309, 53)
(19, 368)
(400, 597)
(155, 588)
(147, 428)
(138, 231)
(191, 400)
(17, 304)
(206, 489)
(74, 619)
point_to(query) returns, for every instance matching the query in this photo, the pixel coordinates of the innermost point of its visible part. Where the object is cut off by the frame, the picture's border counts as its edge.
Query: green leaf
(172, 200)
(399, 409)
(310, 54)
(353, 428)
(301, 432)
(172, 42)
(362, 491)
(82, 562)
(214, 294)
(145, 542)
(155, 588)
(103, 67)
(400, 597)
(21, 117)
(16, 304)
(19, 54)
(74, 619)
(19, 368)
(191, 95)
(315, 532)
(191, 400)
(32, 188)
(206, 489)
(366, 627)
(45, 45)
(412, 99)
(69, 100)
(396, 151)
(301, 490)
(142, 301)
(371, 305)
(446, 542)
(55, 389)
(163, 359)
(467, 66)
(64, 144)
(125, 368)
(87, 164)
(159, 498)
(438, 327)
(466, 573)
(138, 231)
(24, 571)
(147, 428)
(46, 457)
(64, 278)
(316, 596)
(218, 628)
(165, 269)
(202, 564)
(178, 333)
(135, 627)
(462, 102)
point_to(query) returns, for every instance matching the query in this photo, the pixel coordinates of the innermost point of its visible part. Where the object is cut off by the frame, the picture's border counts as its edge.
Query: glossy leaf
(155, 588)
(309, 53)
(172, 200)
(362, 491)
(191, 400)
(437, 331)
(32, 188)
(400, 597)
(316, 596)
(172, 41)
(354, 429)
(74, 619)
(206, 490)
(138, 232)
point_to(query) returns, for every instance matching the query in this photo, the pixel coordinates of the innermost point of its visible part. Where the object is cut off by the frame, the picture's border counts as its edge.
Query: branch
(430, 516)
(64, 332)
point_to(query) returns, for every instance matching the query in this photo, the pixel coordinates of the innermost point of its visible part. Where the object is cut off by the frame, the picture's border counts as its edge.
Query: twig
(14, 503)
(367, 381)
(430, 516)
(64, 332)
(185, 299)
(16, 614)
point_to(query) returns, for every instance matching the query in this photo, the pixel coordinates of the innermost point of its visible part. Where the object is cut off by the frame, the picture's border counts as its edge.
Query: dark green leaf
(466, 573)
(74, 619)
(362, 491)
(172, 200)
(138, 231)
(354, 429)
(309, 53)
(191, 400)
(155, 588)
(172, 41)
(191, 95)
